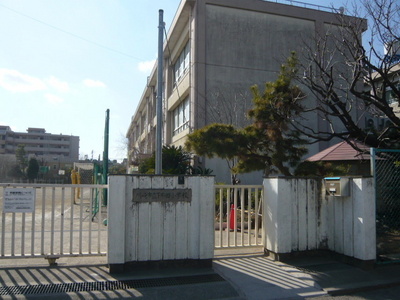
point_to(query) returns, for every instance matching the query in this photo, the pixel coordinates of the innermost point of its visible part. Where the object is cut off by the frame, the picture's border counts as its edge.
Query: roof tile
(341, 151)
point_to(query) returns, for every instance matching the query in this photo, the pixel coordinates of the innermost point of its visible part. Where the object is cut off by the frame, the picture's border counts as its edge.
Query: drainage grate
(106, 285)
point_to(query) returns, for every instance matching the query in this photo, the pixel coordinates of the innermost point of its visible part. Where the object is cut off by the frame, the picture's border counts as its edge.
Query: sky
(63, 63)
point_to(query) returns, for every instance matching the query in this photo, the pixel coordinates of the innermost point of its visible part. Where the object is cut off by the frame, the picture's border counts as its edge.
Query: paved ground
(340, 279)
(233, 276)
(74, 278)
(390, 293)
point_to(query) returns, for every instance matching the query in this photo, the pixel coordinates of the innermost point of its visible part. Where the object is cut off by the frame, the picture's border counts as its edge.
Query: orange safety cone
(232, 220)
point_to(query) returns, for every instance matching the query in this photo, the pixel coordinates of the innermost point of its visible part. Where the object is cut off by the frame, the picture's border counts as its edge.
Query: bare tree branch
(350, 81)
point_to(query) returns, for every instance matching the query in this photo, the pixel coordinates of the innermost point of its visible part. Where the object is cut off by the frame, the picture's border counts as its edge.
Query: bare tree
(350, 80)
(231, 110)
(122, 145)
(7, 162)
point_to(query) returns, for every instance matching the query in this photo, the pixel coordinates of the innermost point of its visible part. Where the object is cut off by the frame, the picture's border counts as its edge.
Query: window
(137, 131)
(181, 117)
(181, 65)
(391, 96)
(143, 121)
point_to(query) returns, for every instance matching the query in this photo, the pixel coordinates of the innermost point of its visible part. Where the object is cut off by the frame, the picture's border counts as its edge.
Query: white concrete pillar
(299, 217)
(116, 220)
(364, 218)
(277, 215)
(160, 219)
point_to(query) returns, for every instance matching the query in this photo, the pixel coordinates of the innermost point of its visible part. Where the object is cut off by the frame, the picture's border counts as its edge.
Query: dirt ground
(388, 244)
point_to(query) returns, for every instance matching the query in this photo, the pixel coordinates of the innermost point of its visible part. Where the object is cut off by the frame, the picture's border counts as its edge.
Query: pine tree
(33, 169)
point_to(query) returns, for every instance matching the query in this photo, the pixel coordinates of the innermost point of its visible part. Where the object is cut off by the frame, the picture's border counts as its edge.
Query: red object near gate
(232, 220)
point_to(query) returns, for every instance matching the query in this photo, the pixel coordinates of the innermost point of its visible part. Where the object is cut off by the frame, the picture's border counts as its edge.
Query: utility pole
(159, 94)
(105, 155)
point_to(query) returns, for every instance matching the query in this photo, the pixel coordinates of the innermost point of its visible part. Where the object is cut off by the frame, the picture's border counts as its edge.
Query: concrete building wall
(234, 44)
(245, 48)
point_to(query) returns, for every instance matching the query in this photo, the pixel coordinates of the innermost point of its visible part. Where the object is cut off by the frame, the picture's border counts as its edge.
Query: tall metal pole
(159, 94)
(105, 155)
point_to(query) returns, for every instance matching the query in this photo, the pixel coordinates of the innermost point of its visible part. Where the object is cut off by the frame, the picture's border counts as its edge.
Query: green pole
(95, 198)
(105, 156)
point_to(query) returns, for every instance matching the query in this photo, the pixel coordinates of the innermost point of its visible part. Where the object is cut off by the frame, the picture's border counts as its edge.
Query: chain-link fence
(386, 171)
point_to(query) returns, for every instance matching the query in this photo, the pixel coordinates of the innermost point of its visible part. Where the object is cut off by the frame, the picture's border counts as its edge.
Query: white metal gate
(238, 216)
(64, 220)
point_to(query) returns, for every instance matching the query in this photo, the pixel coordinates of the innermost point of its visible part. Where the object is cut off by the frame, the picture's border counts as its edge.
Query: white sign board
(19, 200)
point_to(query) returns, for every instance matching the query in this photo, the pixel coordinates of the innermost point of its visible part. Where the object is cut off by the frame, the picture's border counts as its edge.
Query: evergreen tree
(33, 169)
(20, 155)
(175, 161)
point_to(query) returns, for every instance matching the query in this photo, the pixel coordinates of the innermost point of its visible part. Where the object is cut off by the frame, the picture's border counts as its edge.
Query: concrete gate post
(300, 216)
(159, 221)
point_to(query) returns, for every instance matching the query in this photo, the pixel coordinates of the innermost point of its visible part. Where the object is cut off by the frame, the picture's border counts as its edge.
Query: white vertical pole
(23, 235)
(71, 222)
(53, 202)
(13, 235)
(81, 208)
(42, 252)
(62, 221)
(33, 232)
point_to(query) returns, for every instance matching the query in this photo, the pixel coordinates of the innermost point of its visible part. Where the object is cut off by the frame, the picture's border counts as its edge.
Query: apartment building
(393, 68)
(379, 85)
(214, 52)
(52, 148)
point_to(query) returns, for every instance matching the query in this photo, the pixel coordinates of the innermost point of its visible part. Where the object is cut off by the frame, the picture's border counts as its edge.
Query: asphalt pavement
(234, 275)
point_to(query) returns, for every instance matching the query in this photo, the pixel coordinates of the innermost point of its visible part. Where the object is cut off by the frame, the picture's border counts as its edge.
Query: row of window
(181, 114)
(181, 65)
(37, 153)
(27, 137)
(181, 117)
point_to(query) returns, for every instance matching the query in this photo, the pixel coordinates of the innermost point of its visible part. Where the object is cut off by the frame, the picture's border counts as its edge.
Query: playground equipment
(91, 173)
(88, 173)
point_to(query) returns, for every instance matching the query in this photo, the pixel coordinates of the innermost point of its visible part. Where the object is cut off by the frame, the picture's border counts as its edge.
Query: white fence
(238, 216)
(65, 220)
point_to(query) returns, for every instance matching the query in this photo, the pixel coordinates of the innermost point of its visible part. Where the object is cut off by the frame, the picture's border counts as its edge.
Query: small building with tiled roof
(344, 154)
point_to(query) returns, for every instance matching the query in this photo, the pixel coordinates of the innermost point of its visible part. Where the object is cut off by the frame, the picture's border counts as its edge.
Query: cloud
(93, 83)
(59, 85)
(146, 66)
(53, 99)
(14, 81)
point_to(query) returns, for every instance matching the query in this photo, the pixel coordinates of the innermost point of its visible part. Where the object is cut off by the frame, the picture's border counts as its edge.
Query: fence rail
(65, 220)
(238, 216)
(306, 5)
